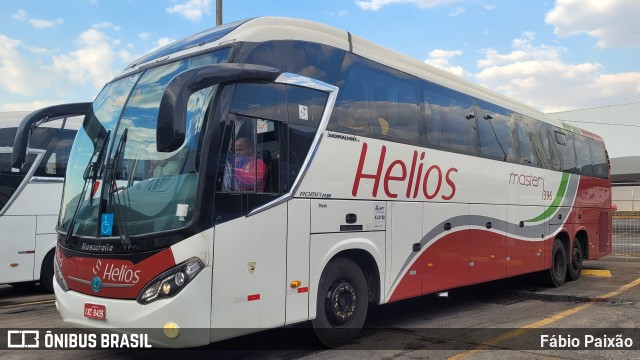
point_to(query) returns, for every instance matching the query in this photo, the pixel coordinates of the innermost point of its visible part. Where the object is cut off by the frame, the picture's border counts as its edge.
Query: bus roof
(279, 28)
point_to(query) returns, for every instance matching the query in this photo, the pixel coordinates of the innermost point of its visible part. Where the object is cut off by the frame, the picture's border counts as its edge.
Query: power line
(600, 123)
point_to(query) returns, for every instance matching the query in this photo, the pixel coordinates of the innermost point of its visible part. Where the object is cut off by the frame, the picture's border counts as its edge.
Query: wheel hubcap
(577, 258)
(341, 302)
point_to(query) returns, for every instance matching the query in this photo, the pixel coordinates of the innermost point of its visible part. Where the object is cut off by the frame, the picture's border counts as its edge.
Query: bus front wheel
(342, 302)
(557, 274)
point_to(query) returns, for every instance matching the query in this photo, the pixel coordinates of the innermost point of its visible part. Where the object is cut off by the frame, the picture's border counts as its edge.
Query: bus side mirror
(36, 119)
(172, 115)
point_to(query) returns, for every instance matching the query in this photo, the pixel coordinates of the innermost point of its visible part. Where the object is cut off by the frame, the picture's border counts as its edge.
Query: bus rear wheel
(342, 303)
(575, 264)
(557, 274)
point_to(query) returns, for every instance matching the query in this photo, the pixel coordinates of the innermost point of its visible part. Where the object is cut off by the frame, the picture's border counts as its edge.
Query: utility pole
(218, 12)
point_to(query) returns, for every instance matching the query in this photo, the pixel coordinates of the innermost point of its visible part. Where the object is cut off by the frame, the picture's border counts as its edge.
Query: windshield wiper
(90, 173)
(114, 189)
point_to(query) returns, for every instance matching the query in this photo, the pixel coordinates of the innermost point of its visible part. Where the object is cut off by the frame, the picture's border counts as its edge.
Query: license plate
(95, 311)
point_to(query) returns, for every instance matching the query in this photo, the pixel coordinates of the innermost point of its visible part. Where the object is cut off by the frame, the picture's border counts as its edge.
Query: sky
(554, 55)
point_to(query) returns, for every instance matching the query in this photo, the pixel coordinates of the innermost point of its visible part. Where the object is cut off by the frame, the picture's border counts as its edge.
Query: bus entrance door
(17, 219)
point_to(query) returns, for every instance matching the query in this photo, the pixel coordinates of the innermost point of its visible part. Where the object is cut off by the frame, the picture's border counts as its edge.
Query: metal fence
(626, 233)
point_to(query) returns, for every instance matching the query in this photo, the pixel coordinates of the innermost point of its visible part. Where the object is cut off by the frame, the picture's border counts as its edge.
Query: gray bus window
(254, 145)
(10, 179)
(550, 147)
(567, 152)
(266, 101)
(599, 159)
(583, 156)
(316, 61)
(56, 157)
(530, 148)
(305, 106)
(377, 101)
(7, 135)
(298, 145)
(450, 121)
(561, 138)
(495, 129)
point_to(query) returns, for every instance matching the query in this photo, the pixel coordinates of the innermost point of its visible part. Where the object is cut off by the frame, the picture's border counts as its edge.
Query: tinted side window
(41, 136)
(252, 150)
(300, 140)
(260, 157)
(530, 147)
(10, 180)
(309, 59)
(7, 135)
(55, 162)
(583, 155)
(550, 146)
(305, 106)
(495, 127)
(260, 100)
(376, 101)
(567, 152)
(449, 119)
(599, 159)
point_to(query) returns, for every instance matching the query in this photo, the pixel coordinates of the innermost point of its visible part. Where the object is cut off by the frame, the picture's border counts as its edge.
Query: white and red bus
(274, 171)
(30, 193)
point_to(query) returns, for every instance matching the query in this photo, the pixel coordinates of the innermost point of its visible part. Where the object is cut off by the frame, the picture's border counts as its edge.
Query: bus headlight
(170, 282)
(57, 273)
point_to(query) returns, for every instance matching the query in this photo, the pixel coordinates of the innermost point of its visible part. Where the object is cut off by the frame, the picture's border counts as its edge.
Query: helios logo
(97, 267)
(417, 178)
(116, 273)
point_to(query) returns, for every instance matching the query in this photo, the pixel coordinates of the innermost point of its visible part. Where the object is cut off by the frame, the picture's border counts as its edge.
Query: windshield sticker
(263, 126)
(181, 211)
(303, 112)
(107, 225)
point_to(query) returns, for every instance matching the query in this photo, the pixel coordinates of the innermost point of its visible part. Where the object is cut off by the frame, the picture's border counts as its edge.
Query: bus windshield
(128, 187)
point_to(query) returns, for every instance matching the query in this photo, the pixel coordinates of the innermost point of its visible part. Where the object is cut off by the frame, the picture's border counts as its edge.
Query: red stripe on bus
(253, 297)
(303, 290)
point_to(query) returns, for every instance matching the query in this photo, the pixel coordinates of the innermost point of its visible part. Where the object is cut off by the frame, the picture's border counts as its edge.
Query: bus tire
(23, 284)
(342, 303)
(46, 272)
(574, 267)
(557, 274)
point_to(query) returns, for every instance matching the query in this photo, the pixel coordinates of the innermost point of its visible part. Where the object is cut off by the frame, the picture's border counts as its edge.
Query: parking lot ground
(502, 319)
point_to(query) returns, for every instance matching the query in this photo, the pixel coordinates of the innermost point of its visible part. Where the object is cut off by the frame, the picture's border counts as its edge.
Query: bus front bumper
(190, 310)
